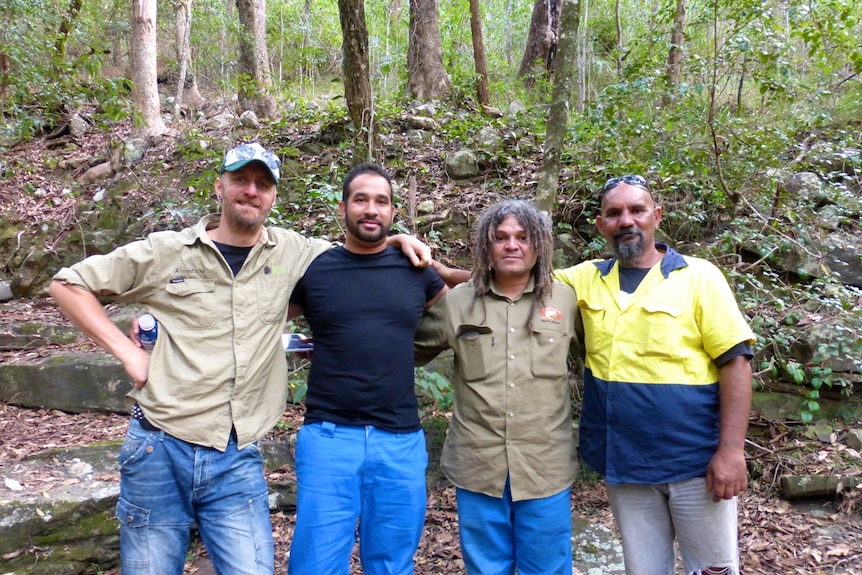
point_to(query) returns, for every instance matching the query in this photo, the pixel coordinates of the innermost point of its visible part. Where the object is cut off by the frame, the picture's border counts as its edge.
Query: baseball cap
(237, 157)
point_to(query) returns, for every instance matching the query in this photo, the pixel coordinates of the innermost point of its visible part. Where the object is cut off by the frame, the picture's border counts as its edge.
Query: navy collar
(671, 261)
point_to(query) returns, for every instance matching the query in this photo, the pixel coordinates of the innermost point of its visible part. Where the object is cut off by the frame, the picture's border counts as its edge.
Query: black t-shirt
(363, 311)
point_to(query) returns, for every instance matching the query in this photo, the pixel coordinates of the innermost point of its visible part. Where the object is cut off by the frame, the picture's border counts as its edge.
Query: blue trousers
(167, 485)
(347, 474)
(499, 535)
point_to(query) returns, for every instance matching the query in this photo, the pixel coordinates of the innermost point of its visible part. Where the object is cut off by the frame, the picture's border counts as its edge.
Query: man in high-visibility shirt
(667, 390)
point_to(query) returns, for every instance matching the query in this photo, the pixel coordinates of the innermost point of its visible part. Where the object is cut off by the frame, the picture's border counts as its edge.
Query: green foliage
(43, 86)
(434, 387)
(113, 98)
(777, 310)
(297, 381)
(763, 77)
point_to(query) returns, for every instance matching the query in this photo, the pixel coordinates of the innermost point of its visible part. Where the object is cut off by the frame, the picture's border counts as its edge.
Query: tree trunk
(802, 486)
(618, 24)
(541, 40)
(145, 93)
(357, 78)
(479, 54)
(5, 69)
(65, 29)
(426, 77)
(558, 115)
(674, 57)
(254, 79)
(583, 60)
(187, 88)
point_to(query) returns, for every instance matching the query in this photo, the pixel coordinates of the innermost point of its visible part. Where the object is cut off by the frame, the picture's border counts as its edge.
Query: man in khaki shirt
(509, 449)
(216, 380)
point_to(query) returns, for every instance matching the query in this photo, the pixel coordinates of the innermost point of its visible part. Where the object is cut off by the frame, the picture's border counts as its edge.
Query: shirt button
(512, 304)
(550, 340)
(511, 330)
(512, 356)
(511, 384)
(511, 414)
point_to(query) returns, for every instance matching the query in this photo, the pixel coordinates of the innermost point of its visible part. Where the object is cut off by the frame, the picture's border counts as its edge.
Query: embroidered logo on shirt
(551, 314)
(189, 272)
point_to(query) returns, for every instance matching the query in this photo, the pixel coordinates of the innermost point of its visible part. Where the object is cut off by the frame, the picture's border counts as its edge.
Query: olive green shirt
(218, 361)
(512, 408)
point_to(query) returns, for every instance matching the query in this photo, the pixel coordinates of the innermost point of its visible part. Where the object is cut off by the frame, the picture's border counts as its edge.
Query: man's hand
(135, 333)
(417, 252)
(727, 476)
(137, 366)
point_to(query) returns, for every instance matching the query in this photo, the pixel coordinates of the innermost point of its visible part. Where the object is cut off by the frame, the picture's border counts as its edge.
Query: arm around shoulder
(452, 276)
(417, 252)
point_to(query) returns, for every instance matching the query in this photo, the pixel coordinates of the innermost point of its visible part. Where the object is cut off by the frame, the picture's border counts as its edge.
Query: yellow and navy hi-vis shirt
(651, 402)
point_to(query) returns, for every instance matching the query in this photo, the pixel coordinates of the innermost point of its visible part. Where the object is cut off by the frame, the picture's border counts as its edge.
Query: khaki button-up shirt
(512, 409)
(218, 361)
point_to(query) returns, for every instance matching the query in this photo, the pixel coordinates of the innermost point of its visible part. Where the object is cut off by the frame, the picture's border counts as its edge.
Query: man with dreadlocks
(509, 450)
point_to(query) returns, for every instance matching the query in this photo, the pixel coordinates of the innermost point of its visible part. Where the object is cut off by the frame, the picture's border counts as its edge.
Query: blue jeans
(499, 535)
(167, 485)
(347, 474)
(650, 517)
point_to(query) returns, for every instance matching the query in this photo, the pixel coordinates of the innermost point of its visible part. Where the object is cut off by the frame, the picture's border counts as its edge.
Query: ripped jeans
(650, 517)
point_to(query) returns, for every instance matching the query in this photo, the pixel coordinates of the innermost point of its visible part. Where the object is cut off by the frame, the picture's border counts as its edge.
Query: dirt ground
(776, 537)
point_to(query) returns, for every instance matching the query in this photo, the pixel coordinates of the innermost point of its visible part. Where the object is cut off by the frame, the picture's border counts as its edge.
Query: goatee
(629, 253)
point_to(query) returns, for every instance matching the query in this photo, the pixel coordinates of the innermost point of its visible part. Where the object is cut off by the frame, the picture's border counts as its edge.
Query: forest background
(717, 104)
(714, 102)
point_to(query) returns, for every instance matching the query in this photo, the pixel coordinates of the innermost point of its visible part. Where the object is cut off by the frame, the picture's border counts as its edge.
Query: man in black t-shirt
(360, 454)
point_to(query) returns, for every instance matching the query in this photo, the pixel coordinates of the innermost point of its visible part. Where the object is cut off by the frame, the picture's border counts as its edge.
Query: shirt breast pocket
(550, 348)
(273, 293)
(665, 330)
(593, 315)
(194, 302)
(473, 350)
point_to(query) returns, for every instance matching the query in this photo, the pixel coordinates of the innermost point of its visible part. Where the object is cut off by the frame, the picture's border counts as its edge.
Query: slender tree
(541, 45)
(255, 83)
(357, 78)
(584, 53)
(558, 114)
(674, 57)
(618, 25)
(182, 31)
(66, 28)
(145, 92)
(5, 69)
(479, 57)
(426, 76)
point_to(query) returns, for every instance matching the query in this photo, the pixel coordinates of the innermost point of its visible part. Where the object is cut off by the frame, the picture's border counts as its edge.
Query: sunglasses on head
(631, 179)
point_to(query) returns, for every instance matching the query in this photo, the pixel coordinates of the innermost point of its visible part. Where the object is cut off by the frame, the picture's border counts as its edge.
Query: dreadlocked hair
(537, 224)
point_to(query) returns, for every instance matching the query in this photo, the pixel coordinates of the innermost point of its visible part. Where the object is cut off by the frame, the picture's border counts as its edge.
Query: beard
(629, 253)
(357, 231)
(245, 223)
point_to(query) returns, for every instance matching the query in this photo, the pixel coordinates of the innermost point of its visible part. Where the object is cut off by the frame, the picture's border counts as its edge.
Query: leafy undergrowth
(776, 537)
